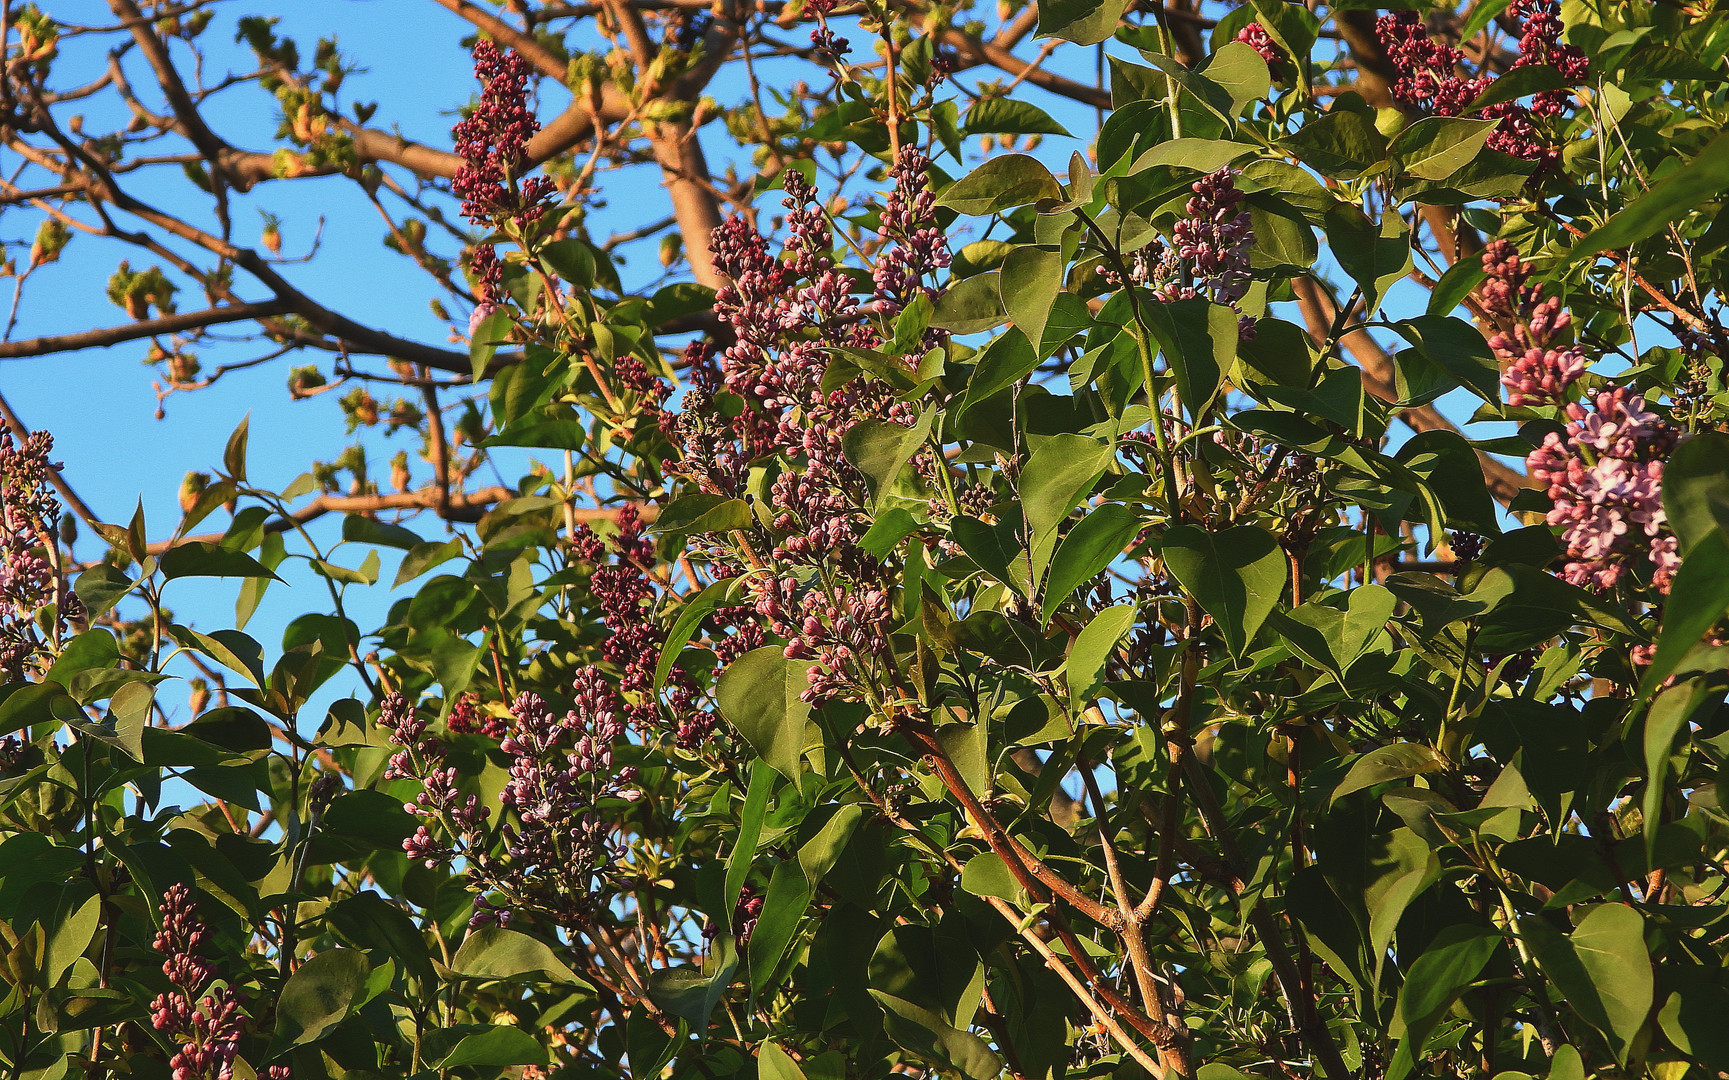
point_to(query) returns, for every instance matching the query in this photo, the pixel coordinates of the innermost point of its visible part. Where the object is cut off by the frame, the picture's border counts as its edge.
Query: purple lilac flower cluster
(208, 1027)
(1429, 76)
(633, 644)
(1605, 475)
(29, 513)
(915, 247)
(1538, 365)
(1211, 244)
(1255, 36)
(1540, 43)
(561, 770)
(786, 312)
(492, 141)
(1428, 69)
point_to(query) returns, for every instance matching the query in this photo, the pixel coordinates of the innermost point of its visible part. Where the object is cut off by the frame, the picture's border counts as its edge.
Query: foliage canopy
(1085, 649)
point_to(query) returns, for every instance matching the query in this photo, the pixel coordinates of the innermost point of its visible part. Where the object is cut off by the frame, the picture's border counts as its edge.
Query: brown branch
(165, 324)
(974, 52)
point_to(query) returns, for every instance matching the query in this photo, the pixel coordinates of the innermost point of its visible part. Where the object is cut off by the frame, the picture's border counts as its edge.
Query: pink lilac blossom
(29, 513)
(1604, 476)
(561, 770)
(1539, 366)
(1605, 479)
(492, 141)
(1210, 249)
(208, 1027)
(786, 312)
(1255, 36)
(1429, 78)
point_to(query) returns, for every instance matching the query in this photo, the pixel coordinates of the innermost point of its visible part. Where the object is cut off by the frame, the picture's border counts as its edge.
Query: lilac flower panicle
(207, 1025)
(29, 516)
(1539, 366)
(1209, 252)
(1255, 36)
(1428, 77)
(492, 141)
(786, 313)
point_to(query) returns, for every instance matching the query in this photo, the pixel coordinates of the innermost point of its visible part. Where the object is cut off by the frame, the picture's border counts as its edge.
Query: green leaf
(318, 996)
(783, 905)
(1692, 186)
(493, 331)
(1459, 349)
(1384, 763)
(1460, 280)
(1242, 72)
(881, 450)
(1235, 575)
(365, 530)
(1334, 639)
(696, 609)
(371, 922)
(1199, 341)
(971, 306)
(495, 1047)
(986, 874)
(1000, 184)
(1091, 653)
(692, 993)
(1084, 22)
(423, 557)
(703, 513)
(199, 558)
(37, 703)
(1526, 606)
(1403, 871)
(70, 936)
(1436, 147)
(1201, 155)
(1086, 550)
(773, 1063)
(760, 697)
(234, 454)
(1446, 967)
(1030, 280)
(230, 648)
(1060, 473)
(365, 574)
(1480, 17)
(101, 587)
(1698, 598)
(1376, 257)
(1343, 144)
(995, 548)
(925, 1033)
(1006, 116)
(1602, 969)
(817, 856)
(750, 822)
(494, 952)
(1696, 488)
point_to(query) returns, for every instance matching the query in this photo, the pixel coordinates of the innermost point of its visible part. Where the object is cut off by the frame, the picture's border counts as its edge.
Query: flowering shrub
(1014, 624)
